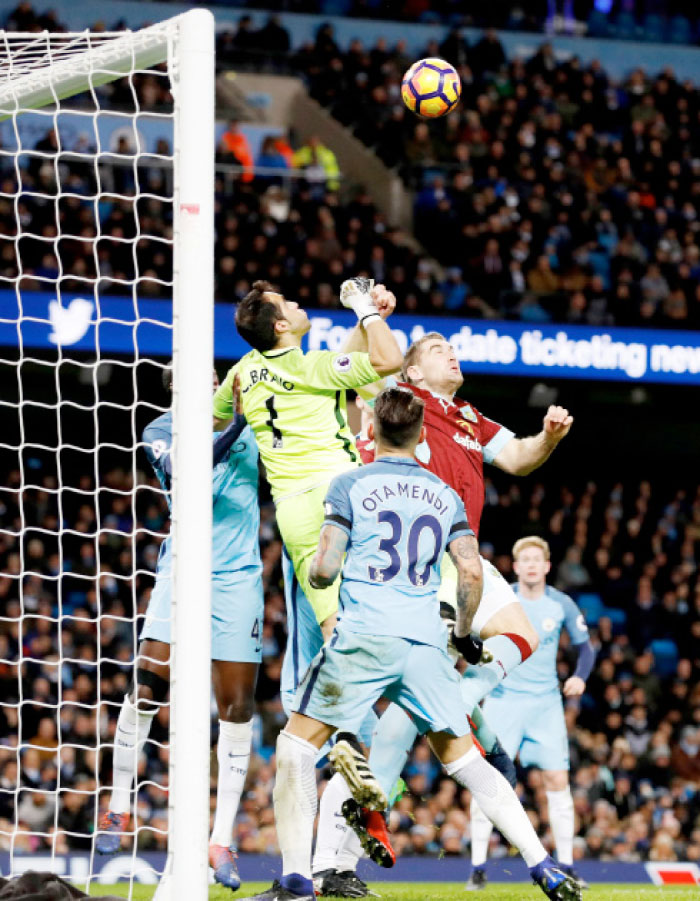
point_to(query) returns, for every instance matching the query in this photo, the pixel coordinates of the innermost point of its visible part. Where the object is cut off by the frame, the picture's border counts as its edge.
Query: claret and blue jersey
(549, 614)
(399, 518)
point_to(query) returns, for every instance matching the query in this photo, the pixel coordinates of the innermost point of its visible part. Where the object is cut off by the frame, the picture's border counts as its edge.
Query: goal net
(106, 275)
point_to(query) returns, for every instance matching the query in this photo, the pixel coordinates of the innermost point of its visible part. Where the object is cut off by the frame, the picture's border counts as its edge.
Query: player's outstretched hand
(470, 647)
(557, 423)
(574, 687)
(384, 300)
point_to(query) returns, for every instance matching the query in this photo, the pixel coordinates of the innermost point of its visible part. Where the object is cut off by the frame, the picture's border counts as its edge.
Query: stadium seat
(653, 28)
(679, 30)
(598, 25)
(626, 27)
(335, 7)
(617, 617)
(591, 606)
(665, 656)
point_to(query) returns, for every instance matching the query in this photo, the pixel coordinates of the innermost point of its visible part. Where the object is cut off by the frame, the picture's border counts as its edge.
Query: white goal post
(39, 72)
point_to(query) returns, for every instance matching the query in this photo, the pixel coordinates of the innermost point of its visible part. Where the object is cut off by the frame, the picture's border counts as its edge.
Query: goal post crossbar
(36, 70)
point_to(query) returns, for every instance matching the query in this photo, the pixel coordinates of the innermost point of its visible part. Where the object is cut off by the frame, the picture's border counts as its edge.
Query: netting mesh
(86, 195)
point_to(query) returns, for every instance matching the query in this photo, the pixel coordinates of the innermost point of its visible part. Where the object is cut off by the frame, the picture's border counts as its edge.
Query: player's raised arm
(371, 306)
(521, 456)
(328, 559)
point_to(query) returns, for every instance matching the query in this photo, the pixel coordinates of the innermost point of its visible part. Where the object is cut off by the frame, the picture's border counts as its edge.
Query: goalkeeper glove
(355, 295)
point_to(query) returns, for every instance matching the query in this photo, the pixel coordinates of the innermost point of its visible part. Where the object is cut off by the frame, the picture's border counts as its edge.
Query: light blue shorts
(237, 607)
(353, 671)
(304, 643)
(533, 725)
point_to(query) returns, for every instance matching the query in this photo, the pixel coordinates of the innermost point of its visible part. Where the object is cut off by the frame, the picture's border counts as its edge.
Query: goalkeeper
(296, 406)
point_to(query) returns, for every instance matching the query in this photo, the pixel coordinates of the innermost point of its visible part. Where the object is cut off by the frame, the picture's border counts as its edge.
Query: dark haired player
(395, 521)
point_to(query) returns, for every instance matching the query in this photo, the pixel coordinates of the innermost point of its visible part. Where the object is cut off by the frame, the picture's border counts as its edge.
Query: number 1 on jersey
(276, 434)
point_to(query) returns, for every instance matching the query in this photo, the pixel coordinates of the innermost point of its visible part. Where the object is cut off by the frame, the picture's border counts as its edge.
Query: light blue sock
(479, 681)
(392, 741)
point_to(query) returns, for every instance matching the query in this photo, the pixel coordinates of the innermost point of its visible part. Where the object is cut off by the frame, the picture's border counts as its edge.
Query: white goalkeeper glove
(355, 295)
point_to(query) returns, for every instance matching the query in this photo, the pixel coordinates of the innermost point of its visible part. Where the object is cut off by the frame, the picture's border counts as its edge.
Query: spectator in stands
(319, 163)
(273, 37)
(234, 148)
(270, 158)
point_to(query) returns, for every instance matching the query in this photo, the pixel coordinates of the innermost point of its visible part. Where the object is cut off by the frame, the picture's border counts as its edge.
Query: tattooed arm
(464, 552)
(329, 556)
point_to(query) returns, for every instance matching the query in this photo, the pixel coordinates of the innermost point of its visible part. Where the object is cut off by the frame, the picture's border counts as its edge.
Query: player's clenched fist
(557, 423)
(384, 300)
(574, 687)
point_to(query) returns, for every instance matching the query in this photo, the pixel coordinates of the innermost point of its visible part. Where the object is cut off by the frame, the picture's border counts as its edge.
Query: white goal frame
(30, 79)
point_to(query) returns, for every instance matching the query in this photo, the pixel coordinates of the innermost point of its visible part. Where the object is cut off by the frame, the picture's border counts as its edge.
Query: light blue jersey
(549, 614)
(237, 593)
(399, 518)
(236, 522)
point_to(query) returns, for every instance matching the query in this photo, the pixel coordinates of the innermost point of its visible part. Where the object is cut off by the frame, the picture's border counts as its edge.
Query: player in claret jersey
(459, 439)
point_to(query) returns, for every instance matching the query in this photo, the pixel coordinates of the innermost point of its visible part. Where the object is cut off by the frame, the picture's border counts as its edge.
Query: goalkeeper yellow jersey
(295, 403)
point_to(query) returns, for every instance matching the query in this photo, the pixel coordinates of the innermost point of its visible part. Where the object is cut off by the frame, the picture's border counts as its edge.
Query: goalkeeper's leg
(133, 726)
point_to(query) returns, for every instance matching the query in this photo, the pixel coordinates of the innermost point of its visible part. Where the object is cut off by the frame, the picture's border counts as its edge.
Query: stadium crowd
(552, 194)
(561, 221)
(630, 553)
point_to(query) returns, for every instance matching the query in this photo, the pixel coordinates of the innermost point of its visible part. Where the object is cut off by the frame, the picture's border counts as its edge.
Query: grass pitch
(442, 891)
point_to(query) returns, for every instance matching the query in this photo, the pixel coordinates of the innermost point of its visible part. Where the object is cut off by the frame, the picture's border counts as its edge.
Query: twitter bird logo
(69, 324)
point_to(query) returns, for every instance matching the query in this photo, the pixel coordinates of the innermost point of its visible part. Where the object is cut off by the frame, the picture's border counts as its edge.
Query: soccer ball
(431, 88)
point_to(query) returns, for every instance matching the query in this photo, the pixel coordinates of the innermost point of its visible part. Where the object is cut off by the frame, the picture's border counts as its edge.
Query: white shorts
(496, 595)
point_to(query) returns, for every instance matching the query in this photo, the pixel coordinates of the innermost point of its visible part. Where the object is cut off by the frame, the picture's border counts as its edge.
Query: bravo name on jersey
(295, 404)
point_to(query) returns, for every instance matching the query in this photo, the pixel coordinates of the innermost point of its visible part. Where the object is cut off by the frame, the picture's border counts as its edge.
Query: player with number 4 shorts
(236, 633)
(395, 521)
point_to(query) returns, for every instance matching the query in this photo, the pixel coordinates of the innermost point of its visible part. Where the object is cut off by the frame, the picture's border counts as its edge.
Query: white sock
(132, 731)
(349, 853)
(561, 820)
(479, 681)
(331, 824)
(481, 835)
(295, 802)
(233, 754)
(499, 802)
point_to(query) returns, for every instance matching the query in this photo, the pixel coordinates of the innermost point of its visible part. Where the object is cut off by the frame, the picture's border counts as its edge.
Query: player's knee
(150, 691)
(555, 780)
(237, 710)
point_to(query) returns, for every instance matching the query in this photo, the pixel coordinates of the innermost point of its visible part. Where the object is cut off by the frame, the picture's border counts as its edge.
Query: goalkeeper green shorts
(299, 519)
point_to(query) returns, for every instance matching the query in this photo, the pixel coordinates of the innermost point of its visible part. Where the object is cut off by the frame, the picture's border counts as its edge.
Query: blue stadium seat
(665, 656)
(591, 606)
(679, 31)
(653, 28)
(598, 25)
(617, 617)
(626, 27)
(335, 7)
